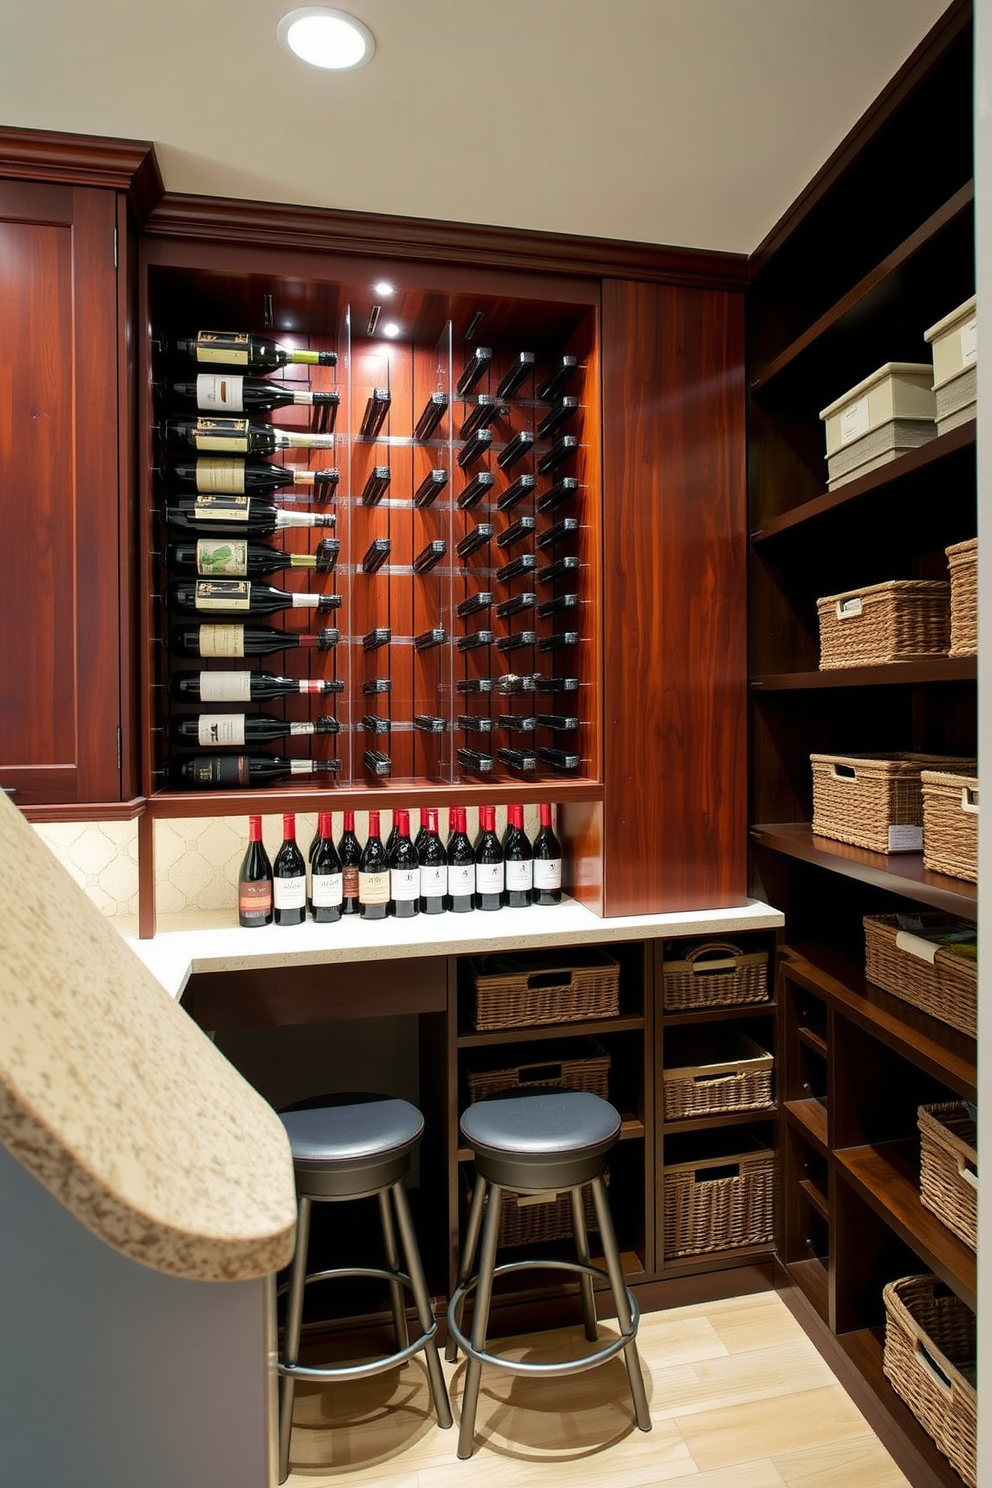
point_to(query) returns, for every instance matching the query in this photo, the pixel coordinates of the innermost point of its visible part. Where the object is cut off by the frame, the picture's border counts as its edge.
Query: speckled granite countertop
(114, 1099)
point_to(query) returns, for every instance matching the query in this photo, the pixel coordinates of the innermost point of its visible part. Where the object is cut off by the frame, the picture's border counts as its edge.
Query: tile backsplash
(197, 858)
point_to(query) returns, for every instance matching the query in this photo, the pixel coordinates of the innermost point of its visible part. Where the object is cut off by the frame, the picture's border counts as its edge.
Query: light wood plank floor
(739, 1398)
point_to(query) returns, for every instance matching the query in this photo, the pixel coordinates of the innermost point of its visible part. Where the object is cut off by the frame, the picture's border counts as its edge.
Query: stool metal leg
(442, 1407)
(480, 1320)
(635, 1378)
(472, 1229)
(291, 1335)
(582, 1252)
(397, 1299)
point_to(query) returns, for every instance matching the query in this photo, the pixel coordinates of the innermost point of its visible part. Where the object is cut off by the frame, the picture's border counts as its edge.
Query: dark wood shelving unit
(856, 1062)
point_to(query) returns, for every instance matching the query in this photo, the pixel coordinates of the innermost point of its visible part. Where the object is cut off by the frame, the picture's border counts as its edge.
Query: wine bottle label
(290, 893)
(373, 888)
(255, 900)
(404, 883)
(213, 507)
(519, 876)
(349, 883)
(301, 767)
(222, 346)
(225, 687)
(326, 890)
(306, 601)
(489, 878)
(434, 882)
(226, 769)
(223, 594)
(312, 358)
(461, 879)
(547, 873)
(229, 435)
(301, 728)
(222, 640)
(221, 728)
(215, 556)
(220, 475)
(213, 391)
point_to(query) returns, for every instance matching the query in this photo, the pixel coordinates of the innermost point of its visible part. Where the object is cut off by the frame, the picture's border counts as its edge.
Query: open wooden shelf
(810, 1116)
(726, 1118)
(815, 1197)
(892, 674)
(719, 1015)
(546, 1031)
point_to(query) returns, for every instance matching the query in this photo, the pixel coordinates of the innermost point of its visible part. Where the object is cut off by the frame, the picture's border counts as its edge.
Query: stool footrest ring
(371, 1366)
(564, 1367)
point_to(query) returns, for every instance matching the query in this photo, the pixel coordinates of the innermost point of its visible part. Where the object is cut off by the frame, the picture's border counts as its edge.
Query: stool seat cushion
(350, 1130)
(541, 1125)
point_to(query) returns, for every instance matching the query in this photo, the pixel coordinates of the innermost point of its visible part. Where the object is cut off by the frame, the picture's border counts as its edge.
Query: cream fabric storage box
(954, 342)
(884, 416)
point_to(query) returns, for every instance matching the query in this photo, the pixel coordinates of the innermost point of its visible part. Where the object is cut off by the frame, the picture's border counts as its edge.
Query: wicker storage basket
(904, 620)
(962, 560)
(950, 823)
(949, 1167)
(715, 974)
(719, 1203)
(873, 801)
(560, 987)
(569, 1064)
(903, 956)
(929, 1358)
(535, 1219)
(724, 1071)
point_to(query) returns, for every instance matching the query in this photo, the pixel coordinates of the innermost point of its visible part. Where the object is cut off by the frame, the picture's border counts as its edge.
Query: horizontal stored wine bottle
(242, 687)
(237, 436)
(232, 475)
(238, 559)
(246, 352)
(237, 516)
(228, 771)
(231, 596)
(232, 392)
(244, 640)
(241, 730)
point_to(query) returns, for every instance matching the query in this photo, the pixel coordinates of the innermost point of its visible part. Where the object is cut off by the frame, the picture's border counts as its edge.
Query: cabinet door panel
(59, 589)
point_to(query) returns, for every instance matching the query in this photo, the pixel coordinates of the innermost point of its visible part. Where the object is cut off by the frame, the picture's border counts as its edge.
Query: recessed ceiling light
(326, 38)
(390, 329)
(384, 288)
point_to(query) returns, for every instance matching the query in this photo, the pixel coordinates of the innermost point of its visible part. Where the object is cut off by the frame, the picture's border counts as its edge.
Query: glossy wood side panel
(60, 694)
(84, 160)
(674, 596)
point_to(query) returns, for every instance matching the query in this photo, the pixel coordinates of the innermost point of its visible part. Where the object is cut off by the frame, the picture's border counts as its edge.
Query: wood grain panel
(674, 598)
(316, 994)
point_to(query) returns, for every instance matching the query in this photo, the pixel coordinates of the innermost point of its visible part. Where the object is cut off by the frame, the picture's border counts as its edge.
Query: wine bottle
(489, 868)
(518, 858)
(247, 352)
(461, 865)
(433, 862)
(231, 596)
(232, 392)
(373, 874)
(547, 862)
(229, 771)
(234, 476)
(242, 687)
(236, 436)
(241, 730)
(237, 516)
(255, 880)
(350, 852)
(236, 558)
(245, 640)
(289, 878)
(326, 890)
(404, 870)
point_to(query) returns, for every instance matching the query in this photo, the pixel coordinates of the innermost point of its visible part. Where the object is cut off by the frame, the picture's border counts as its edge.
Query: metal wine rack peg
(517, 372)
(567, 527)
(376, 685)
(429, 724)
(474, 684)
(427, 639)
(559, 641)
(430, 555)
(474, 759)
(472, 723)
(375, 412)
(557, 570)
(375, 554)
(521, 444)
(560, 759)
(562, 413)
(478, 486)
(482, 413)
(474, 448)
(376, 762)
(515, 605)
(372, 723)
(432, 415)
(473, 604)
(327, 553)
(512, 682)
(475, 639)
(376, 486)
(477, 538)
(556, 684)
(559, 723)
(521, 487)
(517, 759)
(475, 368)
(514, 723)
(526, 563)
(567, 445)
(559, 492)
(381, 636)
(560, 376)
(555, 606)
(430, 487)
(517, 641)
(516, 532)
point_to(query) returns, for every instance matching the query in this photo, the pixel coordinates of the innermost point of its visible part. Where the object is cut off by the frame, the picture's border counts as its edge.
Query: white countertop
(207, 941)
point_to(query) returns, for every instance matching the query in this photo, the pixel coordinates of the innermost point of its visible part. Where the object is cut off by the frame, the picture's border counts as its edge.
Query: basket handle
(940, 1379)
(714, 1175)
(540, 1074)
(844, 772)
(722, 956)
(713, 1079)
(547, 979)
(969, 799)
(966, 1172)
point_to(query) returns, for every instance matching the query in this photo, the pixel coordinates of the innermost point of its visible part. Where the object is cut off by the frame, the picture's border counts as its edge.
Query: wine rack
(463, 647)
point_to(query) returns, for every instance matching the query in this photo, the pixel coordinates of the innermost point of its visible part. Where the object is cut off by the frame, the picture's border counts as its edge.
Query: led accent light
(384, 288)
(390, 329)
(326, 38)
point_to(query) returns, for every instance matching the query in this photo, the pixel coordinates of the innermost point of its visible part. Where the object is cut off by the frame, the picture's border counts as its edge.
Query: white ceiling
(689, 122)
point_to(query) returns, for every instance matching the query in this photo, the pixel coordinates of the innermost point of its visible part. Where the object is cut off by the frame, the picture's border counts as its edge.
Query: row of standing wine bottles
(400, 876)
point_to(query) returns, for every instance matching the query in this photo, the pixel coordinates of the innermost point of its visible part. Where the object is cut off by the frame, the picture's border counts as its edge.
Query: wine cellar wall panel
(675, 711)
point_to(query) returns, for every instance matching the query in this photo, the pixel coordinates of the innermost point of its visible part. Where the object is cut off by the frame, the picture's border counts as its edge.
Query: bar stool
(355, 1147)
(536, 1142)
